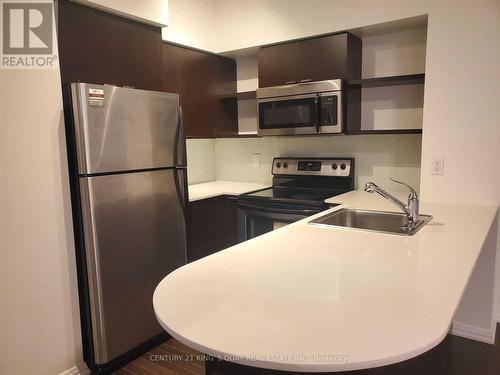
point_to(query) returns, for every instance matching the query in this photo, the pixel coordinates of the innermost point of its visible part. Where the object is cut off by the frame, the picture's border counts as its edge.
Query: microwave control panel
(335, 167)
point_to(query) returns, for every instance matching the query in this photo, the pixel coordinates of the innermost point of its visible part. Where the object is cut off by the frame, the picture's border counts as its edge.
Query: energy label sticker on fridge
(96, 97)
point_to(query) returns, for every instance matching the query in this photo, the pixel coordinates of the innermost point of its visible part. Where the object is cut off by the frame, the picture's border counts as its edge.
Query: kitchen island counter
(318, 299)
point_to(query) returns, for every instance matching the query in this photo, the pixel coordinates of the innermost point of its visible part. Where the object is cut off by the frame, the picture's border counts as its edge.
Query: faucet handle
(413, 193)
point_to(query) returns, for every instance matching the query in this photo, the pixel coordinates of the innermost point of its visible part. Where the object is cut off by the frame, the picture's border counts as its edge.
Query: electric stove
(300, 188)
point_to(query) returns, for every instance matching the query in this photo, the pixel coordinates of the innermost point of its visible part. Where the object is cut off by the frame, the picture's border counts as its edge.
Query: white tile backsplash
(377, 157)
(200, 160)
(234, 157)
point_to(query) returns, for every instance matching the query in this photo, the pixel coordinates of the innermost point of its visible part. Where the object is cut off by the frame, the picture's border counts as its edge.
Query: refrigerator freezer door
(134, 234)
(120, 129)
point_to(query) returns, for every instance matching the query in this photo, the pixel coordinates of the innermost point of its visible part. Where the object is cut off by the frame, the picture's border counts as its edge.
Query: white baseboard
(475, 333)
(80, 369)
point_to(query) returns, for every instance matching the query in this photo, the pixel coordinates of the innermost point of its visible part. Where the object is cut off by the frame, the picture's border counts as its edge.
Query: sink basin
(376, 221)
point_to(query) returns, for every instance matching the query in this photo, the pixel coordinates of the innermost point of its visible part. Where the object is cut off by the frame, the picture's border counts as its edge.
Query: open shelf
(245, 95)
(388, 131)
(406, 79)
(245, 135)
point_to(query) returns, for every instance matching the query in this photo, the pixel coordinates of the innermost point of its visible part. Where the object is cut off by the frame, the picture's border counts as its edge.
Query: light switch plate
(437, 167)
(256, 160)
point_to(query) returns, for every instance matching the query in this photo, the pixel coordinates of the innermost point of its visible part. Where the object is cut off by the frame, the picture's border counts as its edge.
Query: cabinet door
(97, 47)
(329, 57)
(211, 225)
(223, 88)
(170, 66)
(204, 79)
(195, 94)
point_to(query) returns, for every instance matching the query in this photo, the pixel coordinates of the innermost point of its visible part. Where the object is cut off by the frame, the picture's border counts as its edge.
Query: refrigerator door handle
(93, 270)
(181, 186)
(180, 145)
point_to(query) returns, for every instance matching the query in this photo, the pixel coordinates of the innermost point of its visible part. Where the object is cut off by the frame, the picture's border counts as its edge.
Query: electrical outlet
(256, 160)
(437, 166)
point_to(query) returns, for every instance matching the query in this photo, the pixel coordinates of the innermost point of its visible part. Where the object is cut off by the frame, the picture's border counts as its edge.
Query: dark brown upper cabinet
(202, 80)
(97, 47)
(170, 68)
(329, 57)
(195, 94)
(223, 90)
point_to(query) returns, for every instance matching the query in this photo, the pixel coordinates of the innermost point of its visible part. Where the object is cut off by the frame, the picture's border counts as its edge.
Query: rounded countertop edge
(298, 366)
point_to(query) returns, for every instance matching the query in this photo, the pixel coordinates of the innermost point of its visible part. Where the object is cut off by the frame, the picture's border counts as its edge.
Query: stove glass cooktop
(314, 197)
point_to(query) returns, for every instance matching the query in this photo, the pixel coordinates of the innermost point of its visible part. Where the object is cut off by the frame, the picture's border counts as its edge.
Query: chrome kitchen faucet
(410, 209)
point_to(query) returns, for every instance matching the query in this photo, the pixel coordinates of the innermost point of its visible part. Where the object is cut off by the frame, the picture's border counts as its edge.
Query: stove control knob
(285, 165)
(342, 166)
(278, 165)
(334, 166)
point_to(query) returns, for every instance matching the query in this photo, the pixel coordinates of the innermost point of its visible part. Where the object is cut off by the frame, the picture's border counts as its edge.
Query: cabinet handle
(305, 80)
(290, 82)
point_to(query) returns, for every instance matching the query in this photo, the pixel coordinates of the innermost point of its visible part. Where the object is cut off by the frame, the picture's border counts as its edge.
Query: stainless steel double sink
(375, 221)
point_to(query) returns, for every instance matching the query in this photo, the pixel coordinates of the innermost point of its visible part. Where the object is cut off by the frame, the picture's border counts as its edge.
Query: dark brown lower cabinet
(211, 225)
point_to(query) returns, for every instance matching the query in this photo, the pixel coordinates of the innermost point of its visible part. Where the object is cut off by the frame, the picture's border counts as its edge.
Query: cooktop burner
(306, 181)
(297, 195)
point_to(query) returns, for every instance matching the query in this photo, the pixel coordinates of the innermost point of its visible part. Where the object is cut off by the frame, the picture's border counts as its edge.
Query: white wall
(192, 23)
(244, 24)
(475, 310)
(463, 51)
(378, 157)
(39, 317)
(154, 12)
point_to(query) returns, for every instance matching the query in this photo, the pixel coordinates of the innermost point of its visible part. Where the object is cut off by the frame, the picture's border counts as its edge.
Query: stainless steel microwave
(302, 108)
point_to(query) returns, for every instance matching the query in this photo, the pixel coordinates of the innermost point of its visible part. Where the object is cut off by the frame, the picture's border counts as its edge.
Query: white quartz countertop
(216, 188)
(316, 299)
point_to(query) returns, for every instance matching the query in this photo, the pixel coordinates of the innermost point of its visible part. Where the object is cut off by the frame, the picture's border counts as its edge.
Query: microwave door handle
(317, 112)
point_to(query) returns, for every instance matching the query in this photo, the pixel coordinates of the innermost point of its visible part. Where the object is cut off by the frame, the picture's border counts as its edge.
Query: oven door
(256, 218)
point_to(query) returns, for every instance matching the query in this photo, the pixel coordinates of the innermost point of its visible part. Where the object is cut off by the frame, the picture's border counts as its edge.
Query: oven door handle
(274, 210)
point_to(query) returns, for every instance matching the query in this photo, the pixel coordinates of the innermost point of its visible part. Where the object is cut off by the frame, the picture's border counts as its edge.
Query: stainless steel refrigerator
(127, 162)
